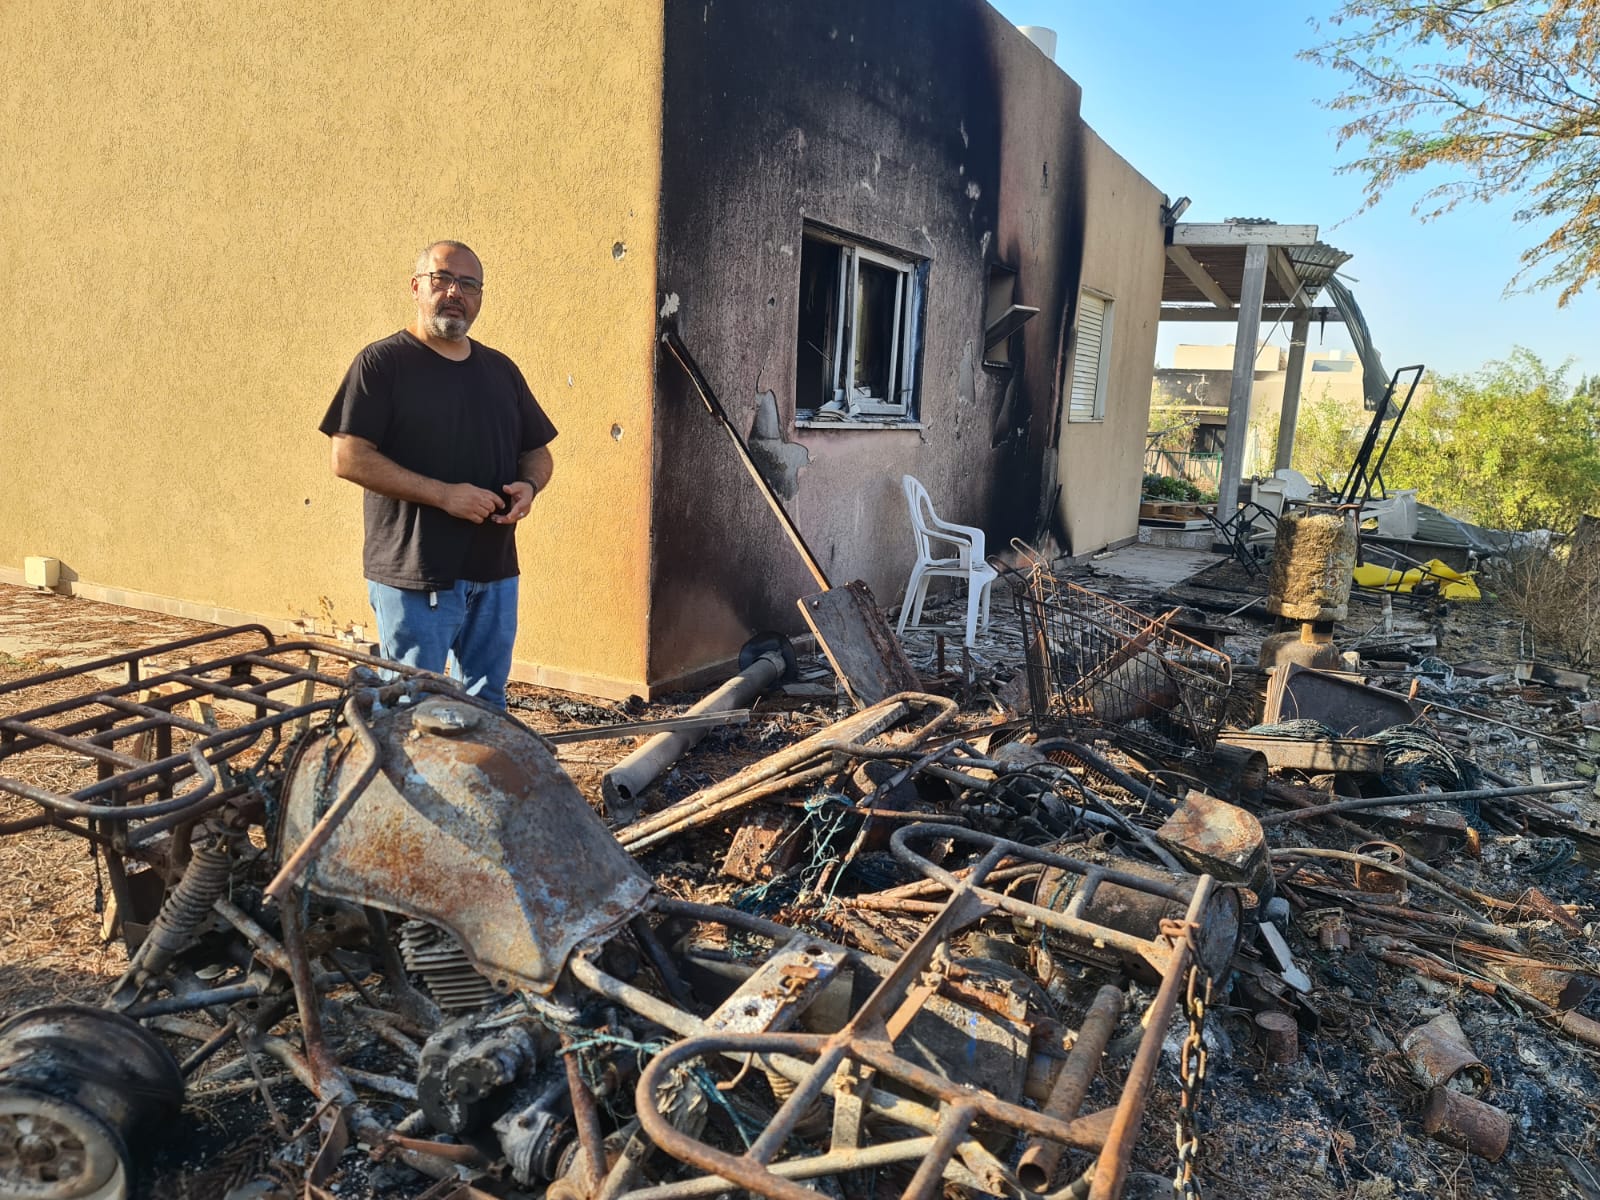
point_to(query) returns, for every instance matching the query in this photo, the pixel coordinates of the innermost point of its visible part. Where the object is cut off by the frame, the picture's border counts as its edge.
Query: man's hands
(360, 461)
(521, 495)
(469, 503)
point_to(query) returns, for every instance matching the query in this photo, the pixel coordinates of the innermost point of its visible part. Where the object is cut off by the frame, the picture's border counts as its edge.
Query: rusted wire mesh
(1091, 660)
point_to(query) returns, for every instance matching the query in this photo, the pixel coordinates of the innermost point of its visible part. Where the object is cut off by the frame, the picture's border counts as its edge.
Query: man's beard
(450, 328)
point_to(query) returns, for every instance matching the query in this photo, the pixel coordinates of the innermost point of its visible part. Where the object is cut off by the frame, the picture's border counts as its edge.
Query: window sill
(1086, 420)
(860, 423)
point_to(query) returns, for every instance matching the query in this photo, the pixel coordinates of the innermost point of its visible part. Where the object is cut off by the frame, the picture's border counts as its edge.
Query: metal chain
(1192, 1075)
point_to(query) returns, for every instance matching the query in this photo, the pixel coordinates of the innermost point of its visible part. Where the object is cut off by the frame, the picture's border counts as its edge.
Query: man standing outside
(452, 448)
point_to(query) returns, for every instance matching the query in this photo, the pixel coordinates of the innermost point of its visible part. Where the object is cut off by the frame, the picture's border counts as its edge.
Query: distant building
(1196, 387)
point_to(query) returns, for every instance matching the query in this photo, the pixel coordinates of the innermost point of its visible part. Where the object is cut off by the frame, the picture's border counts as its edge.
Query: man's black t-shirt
(458, 422)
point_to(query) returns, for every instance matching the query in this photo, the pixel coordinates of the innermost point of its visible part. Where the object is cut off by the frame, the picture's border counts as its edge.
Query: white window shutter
(1088, 374)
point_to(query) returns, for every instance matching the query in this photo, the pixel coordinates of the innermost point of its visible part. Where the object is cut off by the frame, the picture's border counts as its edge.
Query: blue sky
(1208, 101)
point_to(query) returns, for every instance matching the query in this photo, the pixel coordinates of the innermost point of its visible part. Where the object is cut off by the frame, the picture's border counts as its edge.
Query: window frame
(1102, 365)
(847, 406)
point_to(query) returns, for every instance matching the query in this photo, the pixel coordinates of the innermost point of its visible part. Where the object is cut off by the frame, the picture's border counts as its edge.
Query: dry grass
(50, 945)
(1556, 595)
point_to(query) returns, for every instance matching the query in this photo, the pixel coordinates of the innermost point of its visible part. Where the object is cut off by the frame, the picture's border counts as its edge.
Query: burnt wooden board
(864, 651)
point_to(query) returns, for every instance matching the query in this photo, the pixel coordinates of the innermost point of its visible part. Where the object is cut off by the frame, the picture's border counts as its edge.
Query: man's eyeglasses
(443, 281)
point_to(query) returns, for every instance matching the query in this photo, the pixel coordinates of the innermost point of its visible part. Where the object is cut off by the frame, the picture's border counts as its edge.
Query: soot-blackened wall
(929, 128)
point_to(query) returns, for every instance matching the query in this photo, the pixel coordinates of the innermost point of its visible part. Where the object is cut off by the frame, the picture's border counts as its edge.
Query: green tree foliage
(1499, 96)
(1509, 446)
(1327, 434)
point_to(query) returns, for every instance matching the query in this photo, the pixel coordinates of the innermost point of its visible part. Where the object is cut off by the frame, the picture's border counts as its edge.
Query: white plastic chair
(966, 563)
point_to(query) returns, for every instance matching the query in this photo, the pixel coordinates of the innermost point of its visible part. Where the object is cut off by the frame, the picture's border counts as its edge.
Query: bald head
(425, 255)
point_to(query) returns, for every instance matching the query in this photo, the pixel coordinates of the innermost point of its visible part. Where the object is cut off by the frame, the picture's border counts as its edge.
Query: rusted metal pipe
(231, 994)
(1111, 1168)
(331, 1084)
(841, 738)
(1502, 793)
(628, 729)
(1467, 1124)
(1291, 853)
(1441, 1056)
(591, 1140)
(832, 1163)
(661, 963)
(953, 1125)
(622, 784)
(264, 945)
(388, 1085)
(1039, 1160)
(858, 726)
(708, 397)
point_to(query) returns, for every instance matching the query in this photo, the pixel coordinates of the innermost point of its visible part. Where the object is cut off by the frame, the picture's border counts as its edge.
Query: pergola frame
(1245, 272)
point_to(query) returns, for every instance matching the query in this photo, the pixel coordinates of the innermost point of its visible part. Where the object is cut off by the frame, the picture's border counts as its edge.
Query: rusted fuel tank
(469, 823)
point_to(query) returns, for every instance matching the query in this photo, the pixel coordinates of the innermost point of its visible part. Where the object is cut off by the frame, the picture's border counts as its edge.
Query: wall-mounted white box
(41, 572)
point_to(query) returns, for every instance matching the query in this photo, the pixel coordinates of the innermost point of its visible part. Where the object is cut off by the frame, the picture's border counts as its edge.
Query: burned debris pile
(1136, 896)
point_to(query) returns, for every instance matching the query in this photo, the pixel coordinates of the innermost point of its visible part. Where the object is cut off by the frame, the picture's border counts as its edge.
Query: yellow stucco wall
(1101, 463)
(215, 205)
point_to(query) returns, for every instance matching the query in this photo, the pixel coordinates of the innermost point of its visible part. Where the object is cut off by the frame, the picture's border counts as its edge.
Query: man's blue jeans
(473, 624)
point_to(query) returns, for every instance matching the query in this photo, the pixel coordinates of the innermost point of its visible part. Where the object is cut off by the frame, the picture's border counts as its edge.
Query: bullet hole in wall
(618, 249)
(616, 433)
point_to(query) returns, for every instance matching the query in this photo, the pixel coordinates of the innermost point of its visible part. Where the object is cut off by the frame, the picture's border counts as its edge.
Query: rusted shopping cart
(1093, 661)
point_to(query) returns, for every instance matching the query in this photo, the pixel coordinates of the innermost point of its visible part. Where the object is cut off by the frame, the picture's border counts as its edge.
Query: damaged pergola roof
(1245, 271)
(1207, 268)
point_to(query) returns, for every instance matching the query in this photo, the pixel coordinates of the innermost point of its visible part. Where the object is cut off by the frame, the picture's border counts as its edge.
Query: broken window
(859, 330)
(1091, 357)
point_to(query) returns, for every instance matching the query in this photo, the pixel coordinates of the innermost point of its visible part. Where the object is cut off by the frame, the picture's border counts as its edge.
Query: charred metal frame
(142, 795)
(843, 1064)
(135, 801)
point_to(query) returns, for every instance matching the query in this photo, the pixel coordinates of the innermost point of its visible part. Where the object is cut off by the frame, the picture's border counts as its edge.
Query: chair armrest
(961, 532)
(965, 537)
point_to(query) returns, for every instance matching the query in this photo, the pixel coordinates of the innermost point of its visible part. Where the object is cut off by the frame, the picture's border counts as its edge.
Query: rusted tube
(1585, 1029)
(1467, 1124)
(1290, 853)
(331, 1085)
(590, 1139)
(953, 1126)
(842, 737)
(1441, 1056)
(1343, 806)
(388, 1085)
(661, 961)
(1234, 773)
(1040, 1158)
(264, 945)
(1111, 1167)
(622, 784)
(1280, 1037)
(1557, 987)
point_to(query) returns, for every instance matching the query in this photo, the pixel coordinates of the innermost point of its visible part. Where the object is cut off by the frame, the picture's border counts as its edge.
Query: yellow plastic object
(1453, 584)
